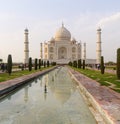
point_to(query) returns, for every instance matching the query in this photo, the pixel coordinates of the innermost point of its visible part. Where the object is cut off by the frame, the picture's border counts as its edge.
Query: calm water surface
(50, 99)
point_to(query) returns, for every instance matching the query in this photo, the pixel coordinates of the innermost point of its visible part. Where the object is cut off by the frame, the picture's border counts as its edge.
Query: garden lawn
(15, 74)
(106, 79)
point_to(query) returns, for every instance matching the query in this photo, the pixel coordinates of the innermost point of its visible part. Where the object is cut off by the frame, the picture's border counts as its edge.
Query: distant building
(61, 49)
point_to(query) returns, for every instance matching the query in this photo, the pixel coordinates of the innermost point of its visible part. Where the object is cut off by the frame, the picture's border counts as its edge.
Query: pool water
(53, 98)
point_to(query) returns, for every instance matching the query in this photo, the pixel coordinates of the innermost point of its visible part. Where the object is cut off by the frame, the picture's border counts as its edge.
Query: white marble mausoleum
(61, 48)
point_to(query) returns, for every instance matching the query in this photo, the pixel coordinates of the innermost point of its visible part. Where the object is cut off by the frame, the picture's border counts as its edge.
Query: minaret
(26, 47)
(41, 51)
(98, 46)
(84, 51)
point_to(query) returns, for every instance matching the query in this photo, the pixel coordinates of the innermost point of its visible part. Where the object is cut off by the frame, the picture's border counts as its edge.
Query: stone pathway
(107, 99)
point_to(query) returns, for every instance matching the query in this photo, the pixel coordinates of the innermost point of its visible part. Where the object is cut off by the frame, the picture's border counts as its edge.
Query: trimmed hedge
(9, 64)
(118, 63)
(30, 64)
(102, 67)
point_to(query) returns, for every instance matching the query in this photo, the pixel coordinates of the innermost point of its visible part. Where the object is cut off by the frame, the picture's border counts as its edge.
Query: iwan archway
(62, 53)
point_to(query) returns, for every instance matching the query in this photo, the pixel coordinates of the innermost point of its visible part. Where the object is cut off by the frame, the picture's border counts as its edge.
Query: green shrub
(39, 63)
(48, 64)
(44, 64)
(75, 64)
(36, 64)
(9, 64)
(70, 63)
(102, 66)
(118, 63)
(83, 64)
(79, 63)
(30, 64)
(53, 63)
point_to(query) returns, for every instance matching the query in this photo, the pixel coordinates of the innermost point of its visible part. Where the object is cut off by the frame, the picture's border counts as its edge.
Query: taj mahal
(62, 49)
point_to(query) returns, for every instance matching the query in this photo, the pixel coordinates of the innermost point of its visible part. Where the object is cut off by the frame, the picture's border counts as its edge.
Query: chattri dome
(62, 34)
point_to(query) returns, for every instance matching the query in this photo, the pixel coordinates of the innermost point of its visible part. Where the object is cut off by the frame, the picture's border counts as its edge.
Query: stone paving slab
(108, 99)
(10, 85)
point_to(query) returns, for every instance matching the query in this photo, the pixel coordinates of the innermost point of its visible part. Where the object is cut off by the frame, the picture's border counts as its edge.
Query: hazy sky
(44, 17)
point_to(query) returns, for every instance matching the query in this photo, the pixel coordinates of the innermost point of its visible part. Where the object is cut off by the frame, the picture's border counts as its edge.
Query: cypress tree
(36, 64)
(102, 67)
(30, 64)
(83, 64)
(75, 64)
(79, 63)
(70, 63)
(1, 60)
(44, 64)
(53, 63)
(118, 63)
(48, 64)
(9, 64)
(39, 63)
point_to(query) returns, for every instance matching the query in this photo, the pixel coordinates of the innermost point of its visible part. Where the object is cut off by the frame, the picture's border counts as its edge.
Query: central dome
(62, 34)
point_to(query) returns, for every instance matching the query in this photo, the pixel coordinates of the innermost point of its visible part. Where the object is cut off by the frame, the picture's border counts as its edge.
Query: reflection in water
(35, 80)
(62, 87)
(26, 94)
(45, 89)
(51, 99)
(9, 97)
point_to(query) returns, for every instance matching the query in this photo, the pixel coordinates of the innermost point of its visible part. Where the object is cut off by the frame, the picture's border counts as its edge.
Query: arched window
(45, 50)
(51, 56)
(45, 56)
(51, 49)
(62, 53)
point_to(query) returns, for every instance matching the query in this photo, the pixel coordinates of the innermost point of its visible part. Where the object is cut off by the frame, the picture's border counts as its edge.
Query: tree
(79, 63)
(48, 64)
(1, 60)
(118, 63)
(39, 63)
(102, 66)
(83, 64)
(9, 64)
(53, 63)
(44, 64)
(30, 64)
(70, 63)
(36, 64)
(75, 64)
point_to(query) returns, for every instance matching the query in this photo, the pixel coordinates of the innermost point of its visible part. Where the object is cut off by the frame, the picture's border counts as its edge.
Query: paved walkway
(108, 99)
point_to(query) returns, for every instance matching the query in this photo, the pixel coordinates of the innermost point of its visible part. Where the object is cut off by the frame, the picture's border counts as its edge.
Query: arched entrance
(62, 53)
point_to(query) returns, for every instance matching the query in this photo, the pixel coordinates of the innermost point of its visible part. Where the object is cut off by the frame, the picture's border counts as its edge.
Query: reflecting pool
(50, 99)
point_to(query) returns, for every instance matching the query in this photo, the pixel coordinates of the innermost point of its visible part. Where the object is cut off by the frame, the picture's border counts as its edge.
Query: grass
(111, 67)
(104, 79)
(16, 74)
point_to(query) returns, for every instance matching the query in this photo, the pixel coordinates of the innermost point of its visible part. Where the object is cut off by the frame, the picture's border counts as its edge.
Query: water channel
(53, 98)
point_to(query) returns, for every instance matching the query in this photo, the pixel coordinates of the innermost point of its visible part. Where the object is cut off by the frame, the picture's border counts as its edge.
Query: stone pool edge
(9, 86)
(98, 112)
